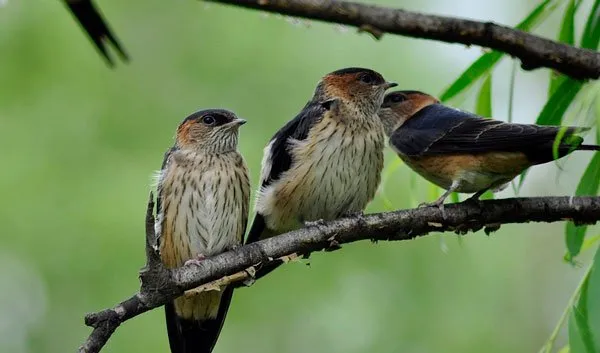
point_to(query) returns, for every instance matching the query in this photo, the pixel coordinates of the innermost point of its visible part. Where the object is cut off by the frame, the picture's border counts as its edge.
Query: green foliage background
(80, 143)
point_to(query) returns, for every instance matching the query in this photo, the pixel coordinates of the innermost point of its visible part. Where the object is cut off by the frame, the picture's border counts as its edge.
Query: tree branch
(160, 285)
(533, 51)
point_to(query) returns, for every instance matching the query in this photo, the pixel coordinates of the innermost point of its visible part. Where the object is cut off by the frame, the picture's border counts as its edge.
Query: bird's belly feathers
(471, 173)
(201, 216)
(338, 174)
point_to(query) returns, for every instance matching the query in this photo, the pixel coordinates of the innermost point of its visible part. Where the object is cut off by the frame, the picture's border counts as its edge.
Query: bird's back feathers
(439, 130)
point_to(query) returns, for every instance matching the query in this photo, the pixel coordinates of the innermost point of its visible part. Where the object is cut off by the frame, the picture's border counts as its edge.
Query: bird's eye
(208, 120)
(398, 98)
(367, 78)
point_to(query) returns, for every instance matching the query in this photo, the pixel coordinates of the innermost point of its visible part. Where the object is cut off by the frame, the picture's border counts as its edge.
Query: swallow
(202, 209)
(327, 161)
(91, 20)
(466, 153)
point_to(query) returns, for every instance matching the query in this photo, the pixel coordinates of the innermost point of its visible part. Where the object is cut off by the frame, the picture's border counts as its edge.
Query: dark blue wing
(437, 129)
(297, 128)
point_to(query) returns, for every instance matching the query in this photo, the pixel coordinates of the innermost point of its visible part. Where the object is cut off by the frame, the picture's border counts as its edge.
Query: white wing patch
(266, 163)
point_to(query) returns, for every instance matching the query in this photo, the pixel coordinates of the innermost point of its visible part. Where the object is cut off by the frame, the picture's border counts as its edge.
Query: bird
(326, 162)
(463, 152)
(91, 20)
(203, 192)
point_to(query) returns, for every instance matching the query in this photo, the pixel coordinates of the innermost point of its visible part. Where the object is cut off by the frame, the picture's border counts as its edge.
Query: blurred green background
(80, 142)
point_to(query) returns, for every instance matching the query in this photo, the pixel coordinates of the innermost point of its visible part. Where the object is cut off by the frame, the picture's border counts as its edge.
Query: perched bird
(92, 22)
(326, 162)
(202, 210)
(466, 153)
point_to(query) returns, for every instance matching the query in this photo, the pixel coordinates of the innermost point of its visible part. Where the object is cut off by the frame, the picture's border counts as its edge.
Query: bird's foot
(195, 261)
(438, 203)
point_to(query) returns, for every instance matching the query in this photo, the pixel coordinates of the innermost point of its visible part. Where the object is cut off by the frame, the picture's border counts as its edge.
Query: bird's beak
(235, 123)
(238, 121)
(389, 85)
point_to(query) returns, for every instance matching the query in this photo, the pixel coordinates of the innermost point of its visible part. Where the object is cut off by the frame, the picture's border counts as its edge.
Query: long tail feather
(196, 336)
(589, 147)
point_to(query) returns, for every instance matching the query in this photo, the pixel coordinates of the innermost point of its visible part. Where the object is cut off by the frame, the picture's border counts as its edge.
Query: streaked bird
(91, 20)
(466, 153)
(326, 162)
(202, 210)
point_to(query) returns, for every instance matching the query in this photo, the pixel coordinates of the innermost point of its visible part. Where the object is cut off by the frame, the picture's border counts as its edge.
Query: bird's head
(213, 130)
(358, 87)
(399, 106)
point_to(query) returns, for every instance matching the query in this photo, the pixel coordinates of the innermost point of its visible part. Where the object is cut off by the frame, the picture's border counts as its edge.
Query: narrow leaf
(386, 175)
(591, 33)
(579, 333)
(454, 197)
(483, 107)
(557, 105)
(588, 185)
(567, 28)
(558, 141)
(574, 239)
(598, 124)
(588, 243)
(511, 91)
(555, 108)
(484, 99)
(477, 69)
(581, 338)
(593, 304)
(564, 349)
(487, 61)
(566, 35)
(488, 195)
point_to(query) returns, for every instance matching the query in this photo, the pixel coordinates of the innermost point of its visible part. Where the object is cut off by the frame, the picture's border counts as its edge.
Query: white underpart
(339, 173)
